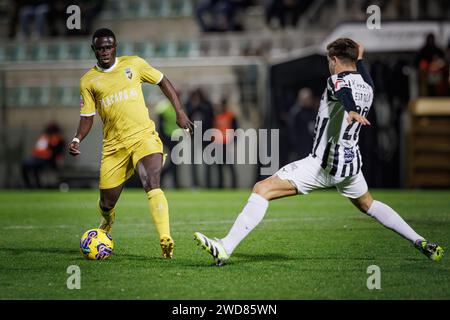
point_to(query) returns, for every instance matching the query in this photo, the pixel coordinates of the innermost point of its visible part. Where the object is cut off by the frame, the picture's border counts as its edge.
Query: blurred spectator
(223, 121)
(220, 15)
(57, 17)
(287, 12)
(33, 16)
(199, 108)
(302, 117)
(433, 69)
(47, 153)
(48, 18)
(13, 18)
(447, 58)
(167, 125)
(90, 9)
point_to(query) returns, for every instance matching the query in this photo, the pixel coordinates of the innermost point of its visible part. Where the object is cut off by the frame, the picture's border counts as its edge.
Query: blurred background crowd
(236, 64)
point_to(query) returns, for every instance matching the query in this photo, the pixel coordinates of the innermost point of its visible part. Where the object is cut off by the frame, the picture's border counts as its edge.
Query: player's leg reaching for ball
(252, 214)
(304, 176)
(149, 169)
(392, 220)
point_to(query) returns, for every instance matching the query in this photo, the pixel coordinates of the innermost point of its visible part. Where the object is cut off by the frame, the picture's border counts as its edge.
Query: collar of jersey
(344, 73)
(109, 69)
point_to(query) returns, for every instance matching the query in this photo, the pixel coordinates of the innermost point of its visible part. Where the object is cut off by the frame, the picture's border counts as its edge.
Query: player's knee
(262, 188)
(152, 181)
(364, 206)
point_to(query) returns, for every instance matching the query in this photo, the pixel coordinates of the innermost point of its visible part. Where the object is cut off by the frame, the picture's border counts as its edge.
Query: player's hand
(360, 51)
(184, 123)
(355, 116)
(74, 148)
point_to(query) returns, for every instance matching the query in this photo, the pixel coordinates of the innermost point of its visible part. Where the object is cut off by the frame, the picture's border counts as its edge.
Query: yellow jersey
(116, 95)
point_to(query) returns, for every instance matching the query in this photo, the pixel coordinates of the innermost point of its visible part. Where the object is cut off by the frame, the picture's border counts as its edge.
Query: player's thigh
(148, 145)
(149, 170)
(305, 175)
(148, 159)
(274, 188)
(116, 167)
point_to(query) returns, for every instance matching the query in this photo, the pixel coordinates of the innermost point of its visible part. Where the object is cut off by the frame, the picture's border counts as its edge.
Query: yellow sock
(159, 210)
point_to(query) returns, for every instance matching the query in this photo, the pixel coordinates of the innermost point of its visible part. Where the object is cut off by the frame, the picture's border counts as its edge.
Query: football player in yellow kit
(113, 89)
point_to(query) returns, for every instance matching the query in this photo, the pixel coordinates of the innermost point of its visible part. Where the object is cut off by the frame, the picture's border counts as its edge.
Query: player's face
(105, 51)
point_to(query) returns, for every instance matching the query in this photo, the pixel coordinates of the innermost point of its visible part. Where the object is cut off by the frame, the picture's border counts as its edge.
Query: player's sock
(108, 218)
(159, 210)
(248, 219)
(390, 219)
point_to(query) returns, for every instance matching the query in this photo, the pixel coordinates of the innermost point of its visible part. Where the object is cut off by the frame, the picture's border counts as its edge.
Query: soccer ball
(96, 244)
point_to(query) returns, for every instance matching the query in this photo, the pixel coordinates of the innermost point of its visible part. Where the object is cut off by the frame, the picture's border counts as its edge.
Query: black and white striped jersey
(335, 140)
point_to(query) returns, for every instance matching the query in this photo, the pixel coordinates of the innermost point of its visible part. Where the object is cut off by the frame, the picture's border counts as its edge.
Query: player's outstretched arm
(84, 127)
(360, 66)
(182, 119)
(360, 51)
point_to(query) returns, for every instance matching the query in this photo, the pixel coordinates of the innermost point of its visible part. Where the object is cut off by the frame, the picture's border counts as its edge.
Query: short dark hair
(345, 49)
(103, 32)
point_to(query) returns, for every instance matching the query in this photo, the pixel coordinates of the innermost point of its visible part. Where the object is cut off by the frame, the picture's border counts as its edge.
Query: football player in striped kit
(335, 160)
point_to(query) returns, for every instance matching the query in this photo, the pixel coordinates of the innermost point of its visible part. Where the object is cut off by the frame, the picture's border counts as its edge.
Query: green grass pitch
(309, 247)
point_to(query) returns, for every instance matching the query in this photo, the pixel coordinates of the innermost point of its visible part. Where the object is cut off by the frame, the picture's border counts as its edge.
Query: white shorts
(307, 175)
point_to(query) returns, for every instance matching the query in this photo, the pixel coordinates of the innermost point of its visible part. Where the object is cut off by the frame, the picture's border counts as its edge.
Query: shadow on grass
(74, 253)
(17, 251)
(245, 257)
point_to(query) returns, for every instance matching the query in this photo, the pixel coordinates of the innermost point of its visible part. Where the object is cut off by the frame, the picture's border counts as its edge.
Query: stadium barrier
(429, 147)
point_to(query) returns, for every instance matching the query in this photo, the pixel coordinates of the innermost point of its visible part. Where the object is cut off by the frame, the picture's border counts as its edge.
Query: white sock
(248, 219)
(390, 219)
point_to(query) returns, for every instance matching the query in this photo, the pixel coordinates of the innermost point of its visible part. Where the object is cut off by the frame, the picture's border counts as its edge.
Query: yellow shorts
(118, 163)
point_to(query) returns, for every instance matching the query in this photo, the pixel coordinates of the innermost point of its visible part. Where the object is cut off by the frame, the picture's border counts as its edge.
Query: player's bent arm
(361, 68)
(84, 127)
(345, 97)
(169, 91)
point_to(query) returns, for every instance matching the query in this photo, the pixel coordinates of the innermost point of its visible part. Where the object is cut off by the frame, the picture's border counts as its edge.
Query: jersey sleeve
(147, 73)
(87, 100)
(364, 74)
(343, 92)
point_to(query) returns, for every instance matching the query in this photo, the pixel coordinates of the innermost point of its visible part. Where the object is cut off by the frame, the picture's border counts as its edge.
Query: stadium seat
(80, 51)
(67, 96)
(125, 48)
(167, 49)
(13, 97)
(188, 48)
(138, 8)
(2, 54)
(182, 8)
(23, 97)
(41, 96)
(159, 8)
(165, 9)
(58, 51)
(38, 51)
(145, 50)
(17, 52)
